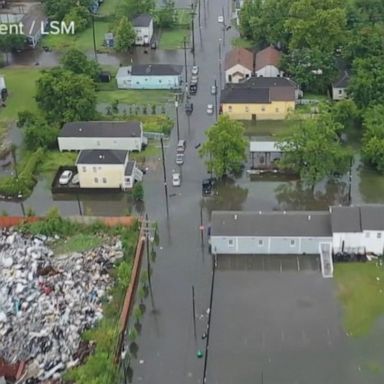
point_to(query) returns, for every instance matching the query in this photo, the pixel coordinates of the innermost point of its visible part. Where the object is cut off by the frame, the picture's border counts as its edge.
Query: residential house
(112, 135)
(238, 65)
(34, 23)
(143, 26)
(150, 76)
(104, 168)
(267, 62)
(264, 152)
(339, 88)
(262, 98)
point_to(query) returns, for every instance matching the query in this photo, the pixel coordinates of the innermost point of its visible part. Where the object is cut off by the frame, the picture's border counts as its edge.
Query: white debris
(46, 302)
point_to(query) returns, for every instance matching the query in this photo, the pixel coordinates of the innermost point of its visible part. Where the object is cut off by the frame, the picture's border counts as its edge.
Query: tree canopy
(124, 35)
(224, 151)
(133, 8)
(77, 62)
(64, 96)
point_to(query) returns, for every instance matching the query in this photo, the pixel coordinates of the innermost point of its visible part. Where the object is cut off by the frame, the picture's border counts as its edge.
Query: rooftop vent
(260, 212)
(284, 212)
(309, 217)
(235, 217)
(101, 156)
(148, 69)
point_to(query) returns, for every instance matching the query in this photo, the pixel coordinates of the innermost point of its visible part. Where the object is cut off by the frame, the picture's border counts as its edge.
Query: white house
(339, 88)
(113, 135)
(238, 65)
(143, 26)
(101, 168)
(264, 152)
(267, 62)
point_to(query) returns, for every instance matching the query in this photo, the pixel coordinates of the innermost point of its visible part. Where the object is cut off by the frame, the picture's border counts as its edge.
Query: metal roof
(102, 156)
(264, 146)
(143, 20)
(345, 219)
(274, 224)
(156, 70)
(245, 95)
(372, 217)
(101, 129)
(342, 81)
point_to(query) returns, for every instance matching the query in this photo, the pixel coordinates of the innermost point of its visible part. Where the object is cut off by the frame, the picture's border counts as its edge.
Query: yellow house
(105, 168)
(246, 101)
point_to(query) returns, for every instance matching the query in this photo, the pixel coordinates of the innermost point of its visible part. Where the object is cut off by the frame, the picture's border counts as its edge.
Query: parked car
(220, 19)
(207, 186)
(193, 88)
(180, 158)
(176, 179)
(194, 79)
(181, 146)
(188, 107)
(210, 109)
(195, 70)
(213, 90)
(65, 177)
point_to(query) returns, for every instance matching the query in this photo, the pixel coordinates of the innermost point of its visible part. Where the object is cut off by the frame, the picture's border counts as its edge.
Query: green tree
(64, 96)
(77, 62)
(371, 11)
(313, 150)
(11, 42)
(225, 148)
(80, 16)
(124, 35)
(366, 85)
(138, 192)
(166, 15)
(58, 9)
(132, 8)
(373, 152)
(346, 113)
(252, 23)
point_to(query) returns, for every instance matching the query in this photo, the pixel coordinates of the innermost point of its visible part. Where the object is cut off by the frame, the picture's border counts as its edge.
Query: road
(167, 346)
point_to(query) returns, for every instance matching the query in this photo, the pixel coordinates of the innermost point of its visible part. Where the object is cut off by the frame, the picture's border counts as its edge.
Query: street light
(177, 119)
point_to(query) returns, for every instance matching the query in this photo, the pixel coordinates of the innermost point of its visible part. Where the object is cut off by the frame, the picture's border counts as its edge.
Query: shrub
(138, 192)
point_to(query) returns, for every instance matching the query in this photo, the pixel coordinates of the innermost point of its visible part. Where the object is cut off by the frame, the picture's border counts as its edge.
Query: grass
(108, 7)
(77, 243)
(152, 150)
(21, 85)
(361, 291)
(183, 16)
(173, 39)
(267, 127)
(240, 42)
(315, 96)
(135, 96)
(54, 159)
(82, 41)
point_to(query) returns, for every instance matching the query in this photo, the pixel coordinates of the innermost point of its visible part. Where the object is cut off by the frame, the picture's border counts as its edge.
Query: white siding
(269, 71)
(237, 73)
(339, 93)
(144, 34)
(373, 241)
(80, 143)
(353, 241)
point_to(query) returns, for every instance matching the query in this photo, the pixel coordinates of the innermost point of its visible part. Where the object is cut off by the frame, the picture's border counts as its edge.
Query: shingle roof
(142, 20)
(33, 20)
(345, 219)
(282, 94)
(239, 95)
(102, 156)
(101, 129)
(303, 223)
(372, 217)
(267, 82)
(156, 69)
(342, 81)
(267, 56)
(239, 56)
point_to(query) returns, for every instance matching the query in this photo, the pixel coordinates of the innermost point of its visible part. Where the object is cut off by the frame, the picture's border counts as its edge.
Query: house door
(253, 116)
(230, 78)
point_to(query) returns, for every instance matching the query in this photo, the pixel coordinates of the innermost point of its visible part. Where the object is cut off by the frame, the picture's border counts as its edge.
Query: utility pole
(147, 244)
(185, 60)
(177, 119)
(224, 25)
(94, 36)
(350, 183)
(193, 32)
(201, 226)
(164, 171)
(220, 64)
(216, 100)
(194, 310)
(199, 5)
(79, 204)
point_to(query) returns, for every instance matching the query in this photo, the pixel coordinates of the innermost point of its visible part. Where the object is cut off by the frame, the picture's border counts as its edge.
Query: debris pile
(47, 301)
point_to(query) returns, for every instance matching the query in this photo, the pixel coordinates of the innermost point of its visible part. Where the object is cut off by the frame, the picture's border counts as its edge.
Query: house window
(159, 81)
(99, 168)
(145, 79)
(246, 109)
(96, 180)
(277, 110)
(340, 91)
(104, 180)
(94, 169)
(231, 243)
(229, 108)
(293, 242)
(367, 235)
(262, 109)
(261, 243)
(379, 235)
(84, 169)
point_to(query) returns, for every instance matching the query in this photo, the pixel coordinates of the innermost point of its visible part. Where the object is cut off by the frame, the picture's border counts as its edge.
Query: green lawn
(361, 291)
(82, 41)
(152, 150)
(21, 85)
(267, 127)
(173, 39)
(77, 243)
(54, 159)
(135, 96)
(242, 43)
(183, 16)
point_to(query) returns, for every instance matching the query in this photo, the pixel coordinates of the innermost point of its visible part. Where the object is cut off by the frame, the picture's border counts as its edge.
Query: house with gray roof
(112, 135)
(105, 168)
(143, 27)
(150, 76)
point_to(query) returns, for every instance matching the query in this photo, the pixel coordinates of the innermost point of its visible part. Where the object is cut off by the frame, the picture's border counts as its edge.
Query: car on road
(220, 19)
(213, 90)
(65, 177)
(181, 145)
(195, 70)
(206, 186)
(176, 179)
(193, 88)
(210, 109)
(180, 158)
(188, 107)
(194, 79)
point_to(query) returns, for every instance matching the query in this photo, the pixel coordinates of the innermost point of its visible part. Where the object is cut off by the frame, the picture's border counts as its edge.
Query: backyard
(267, 127)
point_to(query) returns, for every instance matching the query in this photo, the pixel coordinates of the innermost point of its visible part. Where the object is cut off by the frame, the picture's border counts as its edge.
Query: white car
(213, 90)
(176, 179)
(194, 79)
(220, 19)
(65, 177)
(180, 158)
(210, 109)
(195, 70)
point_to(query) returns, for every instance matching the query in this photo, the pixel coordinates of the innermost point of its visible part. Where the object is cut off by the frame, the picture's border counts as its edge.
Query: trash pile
(47, 301)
